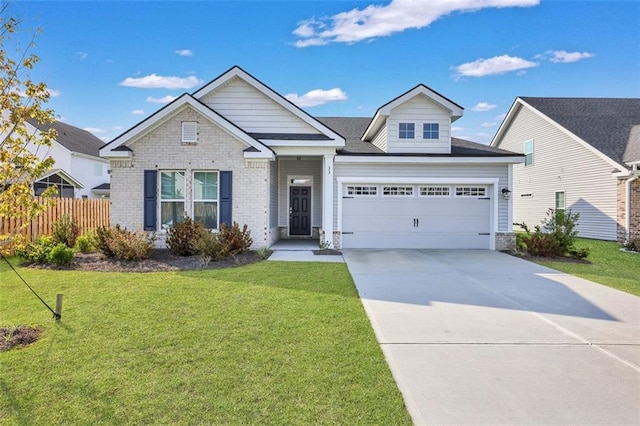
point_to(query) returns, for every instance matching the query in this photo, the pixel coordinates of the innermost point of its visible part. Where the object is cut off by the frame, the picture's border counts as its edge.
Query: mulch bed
(327, 252)
(564, 259)
(159, 260)
(19, 335)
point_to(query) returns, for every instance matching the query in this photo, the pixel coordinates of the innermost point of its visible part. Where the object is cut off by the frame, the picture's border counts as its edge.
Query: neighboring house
(235, 150)
(78, 172)
(581, 154)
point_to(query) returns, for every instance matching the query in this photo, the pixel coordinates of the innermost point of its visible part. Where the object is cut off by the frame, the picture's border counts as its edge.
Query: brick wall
(505, 241)
(161, 149)
(634, 222)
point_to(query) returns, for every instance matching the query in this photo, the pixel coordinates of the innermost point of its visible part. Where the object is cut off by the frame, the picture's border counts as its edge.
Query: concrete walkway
(480, 337)
(301, 250)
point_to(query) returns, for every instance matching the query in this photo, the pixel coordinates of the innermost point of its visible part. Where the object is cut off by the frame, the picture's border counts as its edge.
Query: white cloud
(501, 116)
(154, 81)
(457, 129)
(95, 130)
(184, 52)
(54, 93)
(492, 66)
(487, 124)
(83, 55)
(562, 56)
(317, 97)
(137, 112)
(383, 20)
(483, 106)
(164, 100)
(105, 138)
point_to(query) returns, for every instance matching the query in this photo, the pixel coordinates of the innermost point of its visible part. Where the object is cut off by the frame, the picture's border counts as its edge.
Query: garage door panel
(416, 222)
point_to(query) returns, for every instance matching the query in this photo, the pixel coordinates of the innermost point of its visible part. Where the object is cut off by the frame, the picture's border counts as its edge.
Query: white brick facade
(161, 149)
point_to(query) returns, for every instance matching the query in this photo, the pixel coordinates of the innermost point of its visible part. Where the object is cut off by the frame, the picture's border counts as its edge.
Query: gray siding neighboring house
(583, 156)
(236, 150)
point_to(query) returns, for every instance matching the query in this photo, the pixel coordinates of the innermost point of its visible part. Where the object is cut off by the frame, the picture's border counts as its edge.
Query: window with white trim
(406, 130)
(528, 153)
(362, 190)
(172, 192)
(397, 191)
(559, 200)
(189, 131)
(430, 131)
(205, 198)
(471, 191)
(435, 191)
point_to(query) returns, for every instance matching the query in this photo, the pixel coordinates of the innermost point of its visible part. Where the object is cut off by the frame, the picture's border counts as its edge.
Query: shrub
(84, 243)
(37, 252)
(633, 242)
(263, 253)
(183, 236)
(235, 240)
(65, 231)
(554, 237)
(60, 255)
(123, 244)
(102, 235)
(209, 247)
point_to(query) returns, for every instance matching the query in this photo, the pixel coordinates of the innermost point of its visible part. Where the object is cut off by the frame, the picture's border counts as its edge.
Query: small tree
(22, 160)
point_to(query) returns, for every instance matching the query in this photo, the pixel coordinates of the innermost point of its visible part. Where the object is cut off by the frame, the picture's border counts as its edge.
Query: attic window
(406, 130)
(189, 131)
(528, 153)
(430, 131)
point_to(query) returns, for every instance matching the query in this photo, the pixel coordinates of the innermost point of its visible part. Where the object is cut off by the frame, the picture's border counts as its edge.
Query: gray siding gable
(607, 124)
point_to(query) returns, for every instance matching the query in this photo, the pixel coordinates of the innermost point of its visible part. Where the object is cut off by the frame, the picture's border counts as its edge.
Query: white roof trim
(515, 108)
(75, 182)
(173, 108)
(420, 160)
(384, 111)
(236, 71)
(283, 142)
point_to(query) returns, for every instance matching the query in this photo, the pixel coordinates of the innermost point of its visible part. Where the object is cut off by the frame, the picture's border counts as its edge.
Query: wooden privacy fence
(87, 213)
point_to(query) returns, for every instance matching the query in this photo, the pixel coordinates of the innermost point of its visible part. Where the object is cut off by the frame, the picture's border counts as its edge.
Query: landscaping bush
(183, 237)
(84, 243)
(37, 252)
(123, 244)
(555, 237)
(65, 231)
(633, 243)
(235, 240)
(60, 255)
(209, 247)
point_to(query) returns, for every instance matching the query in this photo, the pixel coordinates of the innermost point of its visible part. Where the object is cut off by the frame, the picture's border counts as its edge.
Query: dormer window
(407, 131)
(528, 153)
(189, 132)
(430, 131)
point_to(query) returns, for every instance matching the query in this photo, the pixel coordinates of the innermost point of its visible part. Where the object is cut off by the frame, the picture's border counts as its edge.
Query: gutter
(627, 219)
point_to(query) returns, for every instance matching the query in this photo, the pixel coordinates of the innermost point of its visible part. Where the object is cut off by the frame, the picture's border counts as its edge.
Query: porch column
(327, 199)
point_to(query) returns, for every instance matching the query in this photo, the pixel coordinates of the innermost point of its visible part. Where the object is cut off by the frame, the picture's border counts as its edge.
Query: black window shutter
(150, 199)
(226, 184)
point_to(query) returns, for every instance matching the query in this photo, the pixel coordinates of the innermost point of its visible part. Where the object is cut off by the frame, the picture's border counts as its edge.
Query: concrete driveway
(480, 337)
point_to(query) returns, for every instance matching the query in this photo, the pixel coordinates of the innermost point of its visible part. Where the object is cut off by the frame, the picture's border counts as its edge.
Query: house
(581, 154)
(78, 172)
(235, 150)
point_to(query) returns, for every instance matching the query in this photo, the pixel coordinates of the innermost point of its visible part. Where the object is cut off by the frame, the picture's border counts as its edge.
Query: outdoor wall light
(506, 193)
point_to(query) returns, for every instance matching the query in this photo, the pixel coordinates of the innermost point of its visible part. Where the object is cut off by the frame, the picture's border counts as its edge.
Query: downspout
(627, 218)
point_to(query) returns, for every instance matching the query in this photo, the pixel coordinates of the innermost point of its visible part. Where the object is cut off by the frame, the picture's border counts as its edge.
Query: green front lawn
(608, 266)
(269, 343)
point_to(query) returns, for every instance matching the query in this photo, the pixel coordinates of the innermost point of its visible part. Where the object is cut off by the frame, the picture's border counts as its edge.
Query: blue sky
(111, 64)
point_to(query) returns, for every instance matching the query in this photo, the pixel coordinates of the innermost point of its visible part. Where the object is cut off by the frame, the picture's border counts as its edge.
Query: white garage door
(416, 216)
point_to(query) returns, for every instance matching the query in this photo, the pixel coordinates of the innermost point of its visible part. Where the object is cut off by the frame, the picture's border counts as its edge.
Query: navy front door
(300, 210)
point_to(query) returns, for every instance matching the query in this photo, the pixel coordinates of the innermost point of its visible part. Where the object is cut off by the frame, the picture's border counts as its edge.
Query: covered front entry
(416, 216)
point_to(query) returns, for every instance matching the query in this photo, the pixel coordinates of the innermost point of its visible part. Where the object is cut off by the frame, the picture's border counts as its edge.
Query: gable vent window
(189, 132)
(430, 131)
(397, 191)
(528, 153)
(471, 191)
(406, 130)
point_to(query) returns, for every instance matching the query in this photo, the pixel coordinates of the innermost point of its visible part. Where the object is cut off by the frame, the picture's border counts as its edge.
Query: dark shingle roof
(352, 129)
(73, 138)
(604, 123)
(290, 136)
